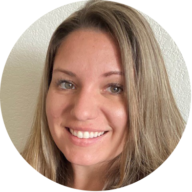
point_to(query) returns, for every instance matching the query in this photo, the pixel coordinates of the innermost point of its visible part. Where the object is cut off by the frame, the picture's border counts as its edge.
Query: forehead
(88, 49)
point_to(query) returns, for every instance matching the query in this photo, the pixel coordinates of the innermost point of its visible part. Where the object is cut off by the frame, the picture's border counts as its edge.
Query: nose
(85, 106)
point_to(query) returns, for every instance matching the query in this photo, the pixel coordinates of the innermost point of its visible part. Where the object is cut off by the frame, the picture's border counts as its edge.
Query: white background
(174, 17)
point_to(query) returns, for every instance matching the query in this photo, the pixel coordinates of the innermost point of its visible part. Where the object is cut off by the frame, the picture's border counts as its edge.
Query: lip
(82, 142)
(85, 129)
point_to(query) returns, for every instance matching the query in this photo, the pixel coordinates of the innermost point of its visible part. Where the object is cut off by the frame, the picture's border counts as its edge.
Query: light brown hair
(155, 125)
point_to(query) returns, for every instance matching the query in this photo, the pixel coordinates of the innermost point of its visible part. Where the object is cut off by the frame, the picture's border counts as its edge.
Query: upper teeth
(86, 134)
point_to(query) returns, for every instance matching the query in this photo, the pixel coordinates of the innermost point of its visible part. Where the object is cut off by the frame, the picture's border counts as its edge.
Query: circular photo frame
(22, 75)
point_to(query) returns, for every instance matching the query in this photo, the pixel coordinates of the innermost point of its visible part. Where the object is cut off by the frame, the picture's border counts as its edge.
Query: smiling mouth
(85, 134)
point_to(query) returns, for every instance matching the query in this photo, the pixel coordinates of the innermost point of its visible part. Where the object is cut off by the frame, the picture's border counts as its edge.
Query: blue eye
(115, 89)
(66, 85)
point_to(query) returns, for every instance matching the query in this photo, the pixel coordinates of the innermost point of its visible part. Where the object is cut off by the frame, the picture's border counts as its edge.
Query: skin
(90, 61)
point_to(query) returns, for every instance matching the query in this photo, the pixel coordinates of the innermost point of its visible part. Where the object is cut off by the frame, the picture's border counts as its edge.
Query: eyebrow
(113, 73)
(65, 71)
(103, 75)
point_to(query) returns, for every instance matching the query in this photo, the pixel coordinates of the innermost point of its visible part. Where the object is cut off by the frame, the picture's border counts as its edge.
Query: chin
(84, 159)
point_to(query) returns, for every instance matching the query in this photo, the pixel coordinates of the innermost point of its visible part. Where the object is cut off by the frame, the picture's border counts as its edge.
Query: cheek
(54, 107)
(120, 123)
(117, 120)
(120, 113)
(117, 115)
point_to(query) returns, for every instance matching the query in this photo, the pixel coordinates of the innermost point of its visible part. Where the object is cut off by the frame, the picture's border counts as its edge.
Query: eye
(115, 89)
(66, 85)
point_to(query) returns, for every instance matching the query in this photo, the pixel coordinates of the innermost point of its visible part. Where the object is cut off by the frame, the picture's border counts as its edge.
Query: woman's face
(85, 104)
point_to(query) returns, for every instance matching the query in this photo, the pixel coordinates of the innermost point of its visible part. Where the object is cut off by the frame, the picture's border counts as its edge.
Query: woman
(106, 116)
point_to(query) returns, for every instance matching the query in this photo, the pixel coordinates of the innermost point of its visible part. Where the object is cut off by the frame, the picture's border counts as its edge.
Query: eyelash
(109, 86)
(114, 85)
(60, 82)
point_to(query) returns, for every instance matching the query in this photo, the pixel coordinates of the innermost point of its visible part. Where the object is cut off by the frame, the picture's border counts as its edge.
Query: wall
(23, 69)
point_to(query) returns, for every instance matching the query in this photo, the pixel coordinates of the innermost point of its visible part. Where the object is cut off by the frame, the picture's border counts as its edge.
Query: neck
(89, 177)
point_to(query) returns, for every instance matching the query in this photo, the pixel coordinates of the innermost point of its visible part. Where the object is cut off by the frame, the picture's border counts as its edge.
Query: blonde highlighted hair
(155, 125)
